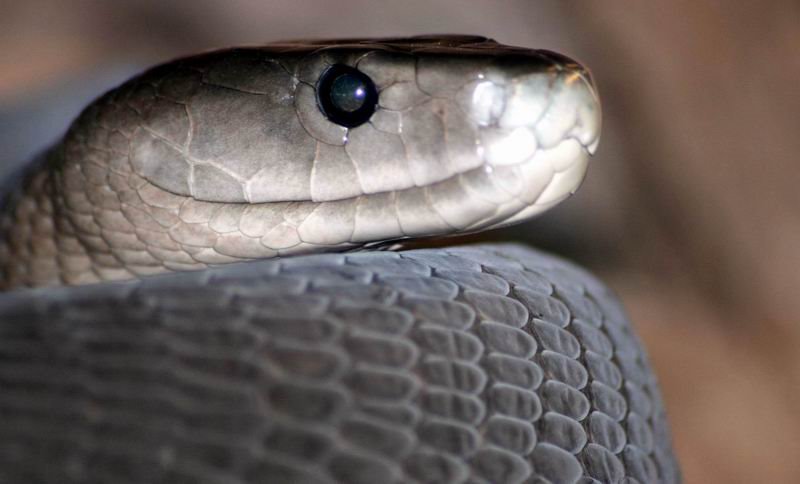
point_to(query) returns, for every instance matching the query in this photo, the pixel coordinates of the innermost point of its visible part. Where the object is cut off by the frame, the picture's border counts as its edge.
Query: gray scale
(322, 369)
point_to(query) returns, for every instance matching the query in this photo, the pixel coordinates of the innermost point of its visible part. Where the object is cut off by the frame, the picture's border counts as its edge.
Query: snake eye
(346, 96)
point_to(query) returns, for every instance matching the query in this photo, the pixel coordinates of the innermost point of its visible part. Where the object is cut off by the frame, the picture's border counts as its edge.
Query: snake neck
(35, 249)
(73, 220)
(44, 239)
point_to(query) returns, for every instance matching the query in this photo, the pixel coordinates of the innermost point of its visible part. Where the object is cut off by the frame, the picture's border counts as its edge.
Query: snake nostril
(346, 96)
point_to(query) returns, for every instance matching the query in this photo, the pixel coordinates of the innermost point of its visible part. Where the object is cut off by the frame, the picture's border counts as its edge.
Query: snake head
(460, 134)
(315, 145)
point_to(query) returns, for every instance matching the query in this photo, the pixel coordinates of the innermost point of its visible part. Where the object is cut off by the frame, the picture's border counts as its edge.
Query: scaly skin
(487, 364)
(226, 157)
(482, 364)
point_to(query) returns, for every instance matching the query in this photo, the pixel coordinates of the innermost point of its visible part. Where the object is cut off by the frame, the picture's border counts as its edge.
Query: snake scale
(475, 364)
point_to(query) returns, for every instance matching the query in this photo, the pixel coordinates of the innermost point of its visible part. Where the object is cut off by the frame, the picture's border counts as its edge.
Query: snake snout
(538, 125)
(573, 111)
(545, 108)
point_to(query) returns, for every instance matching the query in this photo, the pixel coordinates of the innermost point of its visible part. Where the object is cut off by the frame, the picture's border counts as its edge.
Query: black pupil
(346, 96)
(348, 93)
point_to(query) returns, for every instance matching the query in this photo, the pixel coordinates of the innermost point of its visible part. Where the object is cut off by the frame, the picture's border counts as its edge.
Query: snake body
(482, 364)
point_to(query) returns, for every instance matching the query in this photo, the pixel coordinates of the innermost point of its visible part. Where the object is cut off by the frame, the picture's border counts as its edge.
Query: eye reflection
(348, 93)
(346, 96)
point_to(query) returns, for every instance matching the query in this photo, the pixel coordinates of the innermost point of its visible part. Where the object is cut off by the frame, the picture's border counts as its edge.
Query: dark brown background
(690, 209)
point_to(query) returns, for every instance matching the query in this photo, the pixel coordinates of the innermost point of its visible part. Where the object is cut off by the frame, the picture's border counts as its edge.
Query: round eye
(346, 96)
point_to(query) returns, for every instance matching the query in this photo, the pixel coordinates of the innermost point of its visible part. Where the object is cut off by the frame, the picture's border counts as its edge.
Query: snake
(215, 277)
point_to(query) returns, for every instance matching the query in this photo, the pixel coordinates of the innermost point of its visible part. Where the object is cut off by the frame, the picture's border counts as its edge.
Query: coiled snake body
(472, 364)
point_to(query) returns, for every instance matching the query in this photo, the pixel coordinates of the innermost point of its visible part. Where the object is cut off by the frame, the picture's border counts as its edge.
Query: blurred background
(690, 210)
